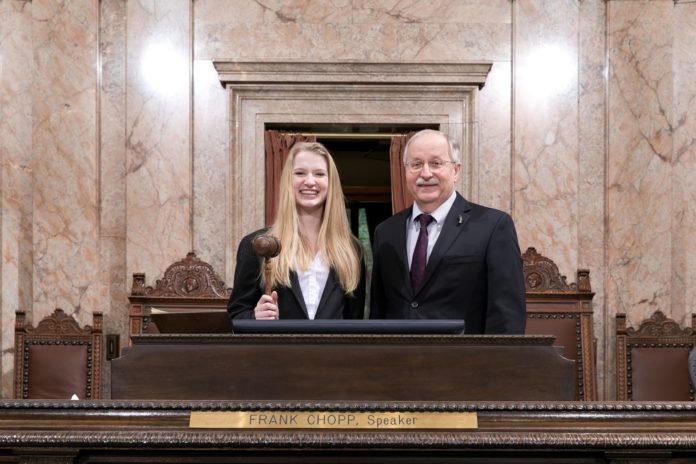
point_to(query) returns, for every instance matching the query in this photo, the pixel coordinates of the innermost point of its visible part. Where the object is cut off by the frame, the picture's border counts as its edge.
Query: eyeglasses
(434, 165)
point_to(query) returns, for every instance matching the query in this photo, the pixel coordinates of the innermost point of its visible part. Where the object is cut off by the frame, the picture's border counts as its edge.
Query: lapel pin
(460, 220)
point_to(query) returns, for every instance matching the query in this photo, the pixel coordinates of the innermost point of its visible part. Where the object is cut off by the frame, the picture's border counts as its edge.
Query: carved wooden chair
(652, 361)
(190, 297)
(57, 359)
(564, 310)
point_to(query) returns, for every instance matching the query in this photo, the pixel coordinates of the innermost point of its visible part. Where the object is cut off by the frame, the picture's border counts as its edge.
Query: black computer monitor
(350, 326)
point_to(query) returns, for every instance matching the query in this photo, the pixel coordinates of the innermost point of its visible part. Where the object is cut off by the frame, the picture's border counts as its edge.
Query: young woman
(320, 272)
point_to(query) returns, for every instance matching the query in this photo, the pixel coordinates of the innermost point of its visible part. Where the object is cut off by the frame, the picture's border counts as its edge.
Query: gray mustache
(420, 181)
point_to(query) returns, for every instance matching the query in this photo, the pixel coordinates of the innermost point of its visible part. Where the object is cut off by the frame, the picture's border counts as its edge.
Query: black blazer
(334, 302)
(474, 272)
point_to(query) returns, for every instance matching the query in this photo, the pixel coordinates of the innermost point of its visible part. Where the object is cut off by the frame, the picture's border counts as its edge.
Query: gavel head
(266, 246)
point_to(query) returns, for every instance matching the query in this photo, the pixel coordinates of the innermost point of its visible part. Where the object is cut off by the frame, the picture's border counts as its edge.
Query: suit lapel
(399, 238)
(329, 288)
(456, 218)
(297, 292)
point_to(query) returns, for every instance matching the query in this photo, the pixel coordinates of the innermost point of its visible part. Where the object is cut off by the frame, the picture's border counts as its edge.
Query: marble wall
(115, 137)
(16, 82)
(591, 166)
(112, 164)
(683, 214)
(639, 193)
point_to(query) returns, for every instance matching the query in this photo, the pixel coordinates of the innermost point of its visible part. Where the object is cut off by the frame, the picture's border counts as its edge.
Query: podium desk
(91, 432)
(342, 368)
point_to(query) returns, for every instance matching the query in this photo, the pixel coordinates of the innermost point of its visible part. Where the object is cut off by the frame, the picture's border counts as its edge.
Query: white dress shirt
(413, 226)
(312, 283)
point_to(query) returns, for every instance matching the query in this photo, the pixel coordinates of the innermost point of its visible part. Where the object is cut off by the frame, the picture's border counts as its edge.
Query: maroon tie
(420, 253)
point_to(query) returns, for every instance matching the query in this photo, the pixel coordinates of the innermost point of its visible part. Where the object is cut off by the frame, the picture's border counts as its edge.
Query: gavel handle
(267, 276)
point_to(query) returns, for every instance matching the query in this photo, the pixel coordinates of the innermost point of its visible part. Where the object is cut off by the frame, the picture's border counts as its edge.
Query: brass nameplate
(331, 420)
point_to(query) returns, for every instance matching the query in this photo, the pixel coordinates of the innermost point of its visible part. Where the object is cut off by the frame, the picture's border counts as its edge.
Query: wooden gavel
(267, 247)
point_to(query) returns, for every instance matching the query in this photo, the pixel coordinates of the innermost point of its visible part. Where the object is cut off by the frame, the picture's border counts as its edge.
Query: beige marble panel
(684, 164)
(545, 125)
(114, 302)
(453, 42)
(591, 234)
(16, 71)
(158, 135)
(352, 31)
(495, 146)
(432, 11)
(211, 133)
(235, 12)
(639, 172)
(65, 161)
(355, 11)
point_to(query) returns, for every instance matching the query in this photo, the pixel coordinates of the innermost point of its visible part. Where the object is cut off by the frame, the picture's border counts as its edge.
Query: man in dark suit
(465, 263)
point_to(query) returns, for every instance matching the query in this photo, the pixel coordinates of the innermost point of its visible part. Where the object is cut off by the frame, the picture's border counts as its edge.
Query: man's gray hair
(454, 151)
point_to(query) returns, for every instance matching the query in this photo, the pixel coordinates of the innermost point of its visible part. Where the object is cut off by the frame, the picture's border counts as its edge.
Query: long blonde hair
(338, 248)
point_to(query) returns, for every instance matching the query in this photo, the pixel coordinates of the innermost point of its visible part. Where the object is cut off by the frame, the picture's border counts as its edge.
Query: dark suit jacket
(474, 272)
(334, 302)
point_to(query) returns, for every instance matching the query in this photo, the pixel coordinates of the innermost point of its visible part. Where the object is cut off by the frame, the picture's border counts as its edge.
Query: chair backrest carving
(188, 278)
(556, 307)
(541, 275)
(189, 285)
(652, 361)
(58, 358)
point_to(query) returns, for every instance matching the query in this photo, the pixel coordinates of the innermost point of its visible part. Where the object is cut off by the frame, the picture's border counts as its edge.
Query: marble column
(112, 120)
(684, 163)
(591, 175)
(639, 157)
(65, 163)
(545, 125)
(158, 135)
(16, 80)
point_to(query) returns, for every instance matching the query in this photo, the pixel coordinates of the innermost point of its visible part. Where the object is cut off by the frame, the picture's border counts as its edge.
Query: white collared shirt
(312, 283)
(413, 226)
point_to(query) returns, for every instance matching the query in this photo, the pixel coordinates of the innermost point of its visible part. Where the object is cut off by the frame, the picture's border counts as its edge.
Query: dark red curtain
(277, 146)
(401, 197)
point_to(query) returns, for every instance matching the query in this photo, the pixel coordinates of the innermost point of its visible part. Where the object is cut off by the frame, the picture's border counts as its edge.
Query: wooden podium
(152, 432)
(342, 368)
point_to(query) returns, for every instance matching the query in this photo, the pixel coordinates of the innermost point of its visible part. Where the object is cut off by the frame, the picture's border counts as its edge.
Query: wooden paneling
(342, 367)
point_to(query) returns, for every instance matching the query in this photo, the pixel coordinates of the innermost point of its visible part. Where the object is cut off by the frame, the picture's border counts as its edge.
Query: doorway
(378, 94)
